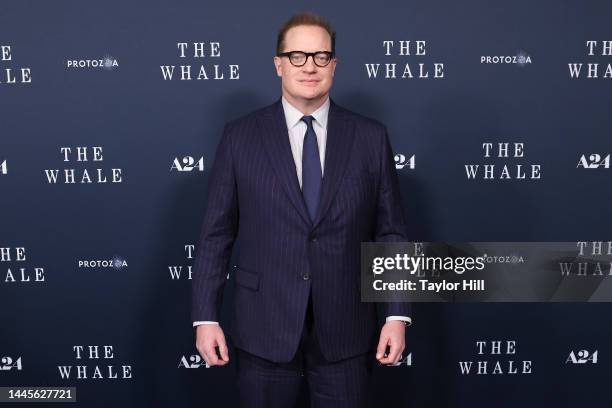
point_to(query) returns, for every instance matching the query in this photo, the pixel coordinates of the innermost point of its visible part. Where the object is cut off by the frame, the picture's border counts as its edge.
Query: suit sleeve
(390, 221)
(217, 235)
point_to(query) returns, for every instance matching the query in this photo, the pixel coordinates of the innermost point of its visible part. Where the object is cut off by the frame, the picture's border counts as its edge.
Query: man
(300, 183)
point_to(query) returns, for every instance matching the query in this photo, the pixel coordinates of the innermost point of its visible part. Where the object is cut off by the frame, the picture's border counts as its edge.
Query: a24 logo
(401, 161)
(7, 364)
(582, 357)
(594, 161)
(187, 163)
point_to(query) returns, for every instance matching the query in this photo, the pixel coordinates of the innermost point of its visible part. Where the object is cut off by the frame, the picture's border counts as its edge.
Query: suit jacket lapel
(339, 144)
(276, 141)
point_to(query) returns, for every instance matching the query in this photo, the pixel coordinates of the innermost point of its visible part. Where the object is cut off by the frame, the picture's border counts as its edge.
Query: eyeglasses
(299, 58)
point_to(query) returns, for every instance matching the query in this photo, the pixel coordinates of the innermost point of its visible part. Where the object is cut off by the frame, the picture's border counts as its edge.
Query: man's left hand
(392, 334)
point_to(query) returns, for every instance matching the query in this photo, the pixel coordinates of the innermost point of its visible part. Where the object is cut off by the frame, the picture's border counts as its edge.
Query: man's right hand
(208, 337)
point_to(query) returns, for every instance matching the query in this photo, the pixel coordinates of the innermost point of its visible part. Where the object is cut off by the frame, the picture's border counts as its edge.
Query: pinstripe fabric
(254, 197)
(340, 384)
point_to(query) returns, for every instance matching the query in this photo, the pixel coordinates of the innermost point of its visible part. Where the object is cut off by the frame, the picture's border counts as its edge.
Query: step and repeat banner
(110, 115)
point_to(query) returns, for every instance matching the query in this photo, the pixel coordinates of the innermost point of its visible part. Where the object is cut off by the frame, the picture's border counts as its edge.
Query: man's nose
(309, 66)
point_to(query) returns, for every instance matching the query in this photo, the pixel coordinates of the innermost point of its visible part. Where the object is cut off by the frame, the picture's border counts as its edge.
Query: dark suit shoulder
(370, 134)
(364, 122)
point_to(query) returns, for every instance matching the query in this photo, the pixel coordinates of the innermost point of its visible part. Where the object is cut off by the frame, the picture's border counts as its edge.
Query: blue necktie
(311, 169)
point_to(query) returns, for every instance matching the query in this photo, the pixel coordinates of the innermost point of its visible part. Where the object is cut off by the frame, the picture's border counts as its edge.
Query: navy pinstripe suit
(254, 196)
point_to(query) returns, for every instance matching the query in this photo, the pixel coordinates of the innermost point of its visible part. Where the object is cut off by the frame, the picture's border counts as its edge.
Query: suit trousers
(266, 384)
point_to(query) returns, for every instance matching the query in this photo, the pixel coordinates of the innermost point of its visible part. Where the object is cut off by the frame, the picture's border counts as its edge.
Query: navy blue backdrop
(95, 273)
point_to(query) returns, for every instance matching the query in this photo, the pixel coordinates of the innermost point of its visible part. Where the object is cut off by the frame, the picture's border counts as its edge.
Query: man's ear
(277, 65)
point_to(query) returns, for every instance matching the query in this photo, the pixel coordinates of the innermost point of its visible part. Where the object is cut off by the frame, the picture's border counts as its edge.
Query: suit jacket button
(313, 238)
(306, 276)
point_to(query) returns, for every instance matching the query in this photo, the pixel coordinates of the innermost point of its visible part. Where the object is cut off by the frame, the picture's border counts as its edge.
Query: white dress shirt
(297, 129)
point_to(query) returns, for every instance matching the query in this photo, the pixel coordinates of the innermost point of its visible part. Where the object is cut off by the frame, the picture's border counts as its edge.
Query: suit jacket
(254, 196)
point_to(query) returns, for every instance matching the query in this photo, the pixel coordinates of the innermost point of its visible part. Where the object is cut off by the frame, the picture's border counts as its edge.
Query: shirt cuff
(406, 319)
(204, 322)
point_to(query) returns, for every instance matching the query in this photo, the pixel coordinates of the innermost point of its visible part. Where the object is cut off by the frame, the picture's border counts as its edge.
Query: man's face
(308, 83)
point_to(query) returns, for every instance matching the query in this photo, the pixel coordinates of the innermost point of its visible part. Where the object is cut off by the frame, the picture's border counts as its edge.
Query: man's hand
(393, 335)
(209, 336)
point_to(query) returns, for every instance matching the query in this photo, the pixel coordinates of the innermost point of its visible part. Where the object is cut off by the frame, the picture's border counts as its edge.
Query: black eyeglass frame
(288, 54)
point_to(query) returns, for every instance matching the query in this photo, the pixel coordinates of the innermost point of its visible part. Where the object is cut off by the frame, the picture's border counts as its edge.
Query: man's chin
(311, 96)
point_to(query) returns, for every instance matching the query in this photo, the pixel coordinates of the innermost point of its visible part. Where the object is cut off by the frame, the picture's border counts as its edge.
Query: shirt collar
(293, 116)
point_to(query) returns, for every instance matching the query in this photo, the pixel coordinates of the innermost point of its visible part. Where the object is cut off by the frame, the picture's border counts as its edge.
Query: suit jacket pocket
(247, 279)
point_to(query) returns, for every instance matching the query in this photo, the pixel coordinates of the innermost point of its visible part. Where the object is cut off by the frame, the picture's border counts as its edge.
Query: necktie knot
(308, 119)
